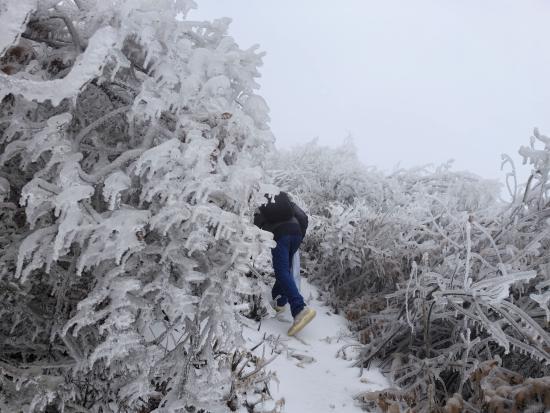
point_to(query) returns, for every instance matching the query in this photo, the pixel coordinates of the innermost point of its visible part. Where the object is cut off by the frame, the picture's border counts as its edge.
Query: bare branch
(57, 44)
(82, 134)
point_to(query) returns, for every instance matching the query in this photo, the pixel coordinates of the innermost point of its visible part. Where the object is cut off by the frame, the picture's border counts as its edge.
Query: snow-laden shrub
(317, 176)
(131, 159)
(446, 286)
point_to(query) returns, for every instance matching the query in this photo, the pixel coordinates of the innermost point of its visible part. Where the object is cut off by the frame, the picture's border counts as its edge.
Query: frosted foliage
(4, 189)
(256, 107)
(114, 184)
(447, 287)
(132, 158)
(87, 66)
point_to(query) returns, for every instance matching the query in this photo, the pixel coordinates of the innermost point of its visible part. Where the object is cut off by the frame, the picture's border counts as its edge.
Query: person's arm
(302, 218)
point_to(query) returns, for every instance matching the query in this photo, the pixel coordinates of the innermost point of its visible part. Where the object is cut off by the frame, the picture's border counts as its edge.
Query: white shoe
(301, 320)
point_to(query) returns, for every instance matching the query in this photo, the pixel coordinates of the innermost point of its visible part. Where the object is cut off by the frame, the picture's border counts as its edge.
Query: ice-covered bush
(131, 146)
(318, 175)
(446, 286)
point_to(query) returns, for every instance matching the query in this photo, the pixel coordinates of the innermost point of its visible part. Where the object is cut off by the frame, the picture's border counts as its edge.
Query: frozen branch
(79, 46)
(95, 124)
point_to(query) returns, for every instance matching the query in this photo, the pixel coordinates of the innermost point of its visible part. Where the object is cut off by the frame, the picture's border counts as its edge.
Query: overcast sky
(413, 82)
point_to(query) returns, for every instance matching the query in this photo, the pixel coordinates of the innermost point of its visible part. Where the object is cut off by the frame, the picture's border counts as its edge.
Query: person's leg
(304, 316)
(278, 294)
(282, 253)
(294, 244)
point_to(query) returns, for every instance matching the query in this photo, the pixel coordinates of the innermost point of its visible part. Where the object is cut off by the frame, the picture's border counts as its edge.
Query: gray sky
(413, 82)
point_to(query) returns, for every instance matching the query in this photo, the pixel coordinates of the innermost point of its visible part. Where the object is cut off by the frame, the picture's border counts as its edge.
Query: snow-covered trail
(314, 376)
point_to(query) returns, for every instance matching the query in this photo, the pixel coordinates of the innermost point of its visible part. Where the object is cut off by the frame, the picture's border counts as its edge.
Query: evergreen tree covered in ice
(131, 146)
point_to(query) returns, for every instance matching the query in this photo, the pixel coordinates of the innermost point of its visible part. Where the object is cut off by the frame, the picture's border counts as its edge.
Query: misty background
(412, 82)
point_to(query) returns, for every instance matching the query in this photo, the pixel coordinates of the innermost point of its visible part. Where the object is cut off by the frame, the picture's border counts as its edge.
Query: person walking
(288, 224)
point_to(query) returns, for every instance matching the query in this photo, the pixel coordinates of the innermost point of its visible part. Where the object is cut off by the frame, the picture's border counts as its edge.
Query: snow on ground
(313, 374)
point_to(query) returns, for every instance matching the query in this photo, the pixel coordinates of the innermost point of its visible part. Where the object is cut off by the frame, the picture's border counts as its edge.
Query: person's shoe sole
(296, 328)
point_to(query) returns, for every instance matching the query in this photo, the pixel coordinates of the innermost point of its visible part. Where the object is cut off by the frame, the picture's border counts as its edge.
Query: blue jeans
(285, 290)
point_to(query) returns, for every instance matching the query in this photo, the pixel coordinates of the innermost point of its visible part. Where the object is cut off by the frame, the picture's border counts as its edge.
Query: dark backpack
(278, 209)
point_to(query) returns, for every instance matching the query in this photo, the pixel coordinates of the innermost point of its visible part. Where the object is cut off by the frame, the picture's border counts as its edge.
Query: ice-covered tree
(132, 143)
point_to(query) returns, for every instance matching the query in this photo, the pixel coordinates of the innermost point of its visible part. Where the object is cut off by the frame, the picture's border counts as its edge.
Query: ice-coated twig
(78, 44)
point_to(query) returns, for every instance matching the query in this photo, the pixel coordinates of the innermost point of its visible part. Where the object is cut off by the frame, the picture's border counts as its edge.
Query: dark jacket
(287, 218)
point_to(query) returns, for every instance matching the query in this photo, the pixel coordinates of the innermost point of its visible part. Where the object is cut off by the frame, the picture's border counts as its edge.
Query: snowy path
(312, 378)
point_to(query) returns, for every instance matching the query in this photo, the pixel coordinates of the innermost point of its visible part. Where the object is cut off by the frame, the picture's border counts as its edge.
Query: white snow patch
(314, 376)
